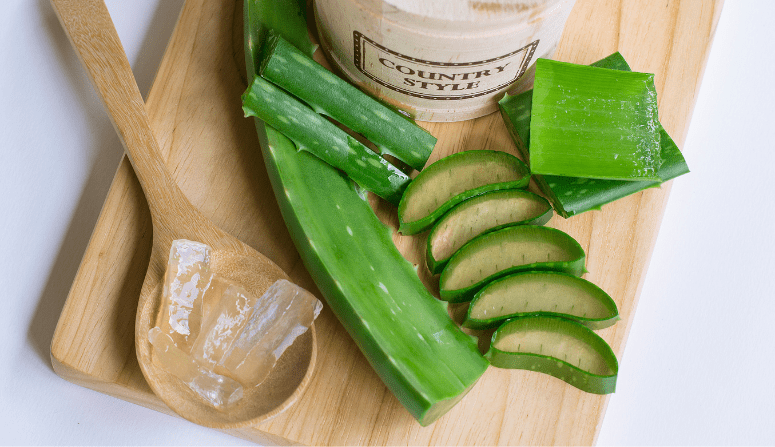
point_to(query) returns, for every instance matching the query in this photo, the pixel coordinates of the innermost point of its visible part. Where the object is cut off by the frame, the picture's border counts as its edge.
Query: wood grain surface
(212, 151)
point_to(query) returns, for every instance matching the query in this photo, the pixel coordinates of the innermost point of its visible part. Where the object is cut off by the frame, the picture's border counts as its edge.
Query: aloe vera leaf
(506, 251)
(562, 348)
(454, 179)
(481, 214)
(394, 134)
(594, 123)
(572, 195)
(426, 361)
(310, 131)
(284, 17)
(541, 293)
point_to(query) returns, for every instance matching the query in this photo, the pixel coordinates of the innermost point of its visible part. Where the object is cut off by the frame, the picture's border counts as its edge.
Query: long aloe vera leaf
(453, 179)
(311, 132)
(426, 361)
(481, 214)
(541, 293)
(594, 123)
(572, 195)
(287, 67)
(506, 251)
(562, 348)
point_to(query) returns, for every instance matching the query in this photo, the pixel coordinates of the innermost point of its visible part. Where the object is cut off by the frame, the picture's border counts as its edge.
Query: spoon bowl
(92, 34)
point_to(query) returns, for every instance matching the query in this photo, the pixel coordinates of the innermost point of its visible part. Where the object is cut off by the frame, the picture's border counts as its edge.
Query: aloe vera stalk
(284, 17)
(541, 293)
(454, 179)
(426, 361)
(481, 214)
(506, 251)
(287, 67)
(311, 132)
(572, 195)
(594, 123)
(562, 348)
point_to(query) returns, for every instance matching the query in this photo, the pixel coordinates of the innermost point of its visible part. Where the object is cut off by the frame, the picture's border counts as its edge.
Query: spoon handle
(94, 37)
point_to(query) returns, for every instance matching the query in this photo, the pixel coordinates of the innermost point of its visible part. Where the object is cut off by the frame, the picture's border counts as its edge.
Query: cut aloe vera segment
(425, 360)
(393, 133)
(481, 214)
(562, 348)
(572, 195)
(594, 123)
(311, 132)
(503, 252)
(454, 179)
(541, 293)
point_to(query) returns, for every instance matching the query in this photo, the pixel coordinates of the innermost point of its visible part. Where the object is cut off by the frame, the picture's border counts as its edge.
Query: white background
(698, 364)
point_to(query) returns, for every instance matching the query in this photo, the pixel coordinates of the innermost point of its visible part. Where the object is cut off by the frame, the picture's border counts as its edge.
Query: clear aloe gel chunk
(481, 214)
(393, 133)
(572, 195)
(453, 179)
(315, 134)
(218, 390)
(510, 250)
(246, 335)
(187, 278)
(559, 347)
(541, 293)
(593, 122)
(283, 313)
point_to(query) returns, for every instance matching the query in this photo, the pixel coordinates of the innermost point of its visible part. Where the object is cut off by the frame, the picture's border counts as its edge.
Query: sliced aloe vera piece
(594, 123)
(425, 360)
(503, 252)
(562, 348)
(572, 195)
(481, 214)
(394, 134)
(454, 179)
(541, 293)
(311, 132)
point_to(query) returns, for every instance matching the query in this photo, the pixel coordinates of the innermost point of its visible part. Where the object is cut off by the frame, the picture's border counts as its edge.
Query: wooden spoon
(91, 31)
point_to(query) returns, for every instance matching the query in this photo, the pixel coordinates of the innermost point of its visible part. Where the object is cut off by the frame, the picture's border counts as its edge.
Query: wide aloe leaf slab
(592, 122)
(572, 195)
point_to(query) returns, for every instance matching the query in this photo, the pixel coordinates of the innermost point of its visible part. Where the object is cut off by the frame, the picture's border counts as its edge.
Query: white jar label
(439, 80)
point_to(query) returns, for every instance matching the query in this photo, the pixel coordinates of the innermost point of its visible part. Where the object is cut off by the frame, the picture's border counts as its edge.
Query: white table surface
(698, 363)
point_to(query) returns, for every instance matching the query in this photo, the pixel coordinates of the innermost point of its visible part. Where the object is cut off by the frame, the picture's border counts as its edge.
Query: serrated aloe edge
(541, 293)
(287, 67)
(561, 348)
(453, 179)
(425, 360)
(311, 132)
(481, 214)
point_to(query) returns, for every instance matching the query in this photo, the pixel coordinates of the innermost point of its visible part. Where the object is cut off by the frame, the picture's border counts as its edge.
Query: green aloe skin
(541, 293)
(593, 122)
(506, 251)
(572, 195)
(311, 132)
(453, 179)
(482, 214)
(562, 348)
(426, 361)
(289, 68)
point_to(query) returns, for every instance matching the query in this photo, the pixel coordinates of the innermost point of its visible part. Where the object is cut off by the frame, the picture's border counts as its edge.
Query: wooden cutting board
(213, 151)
